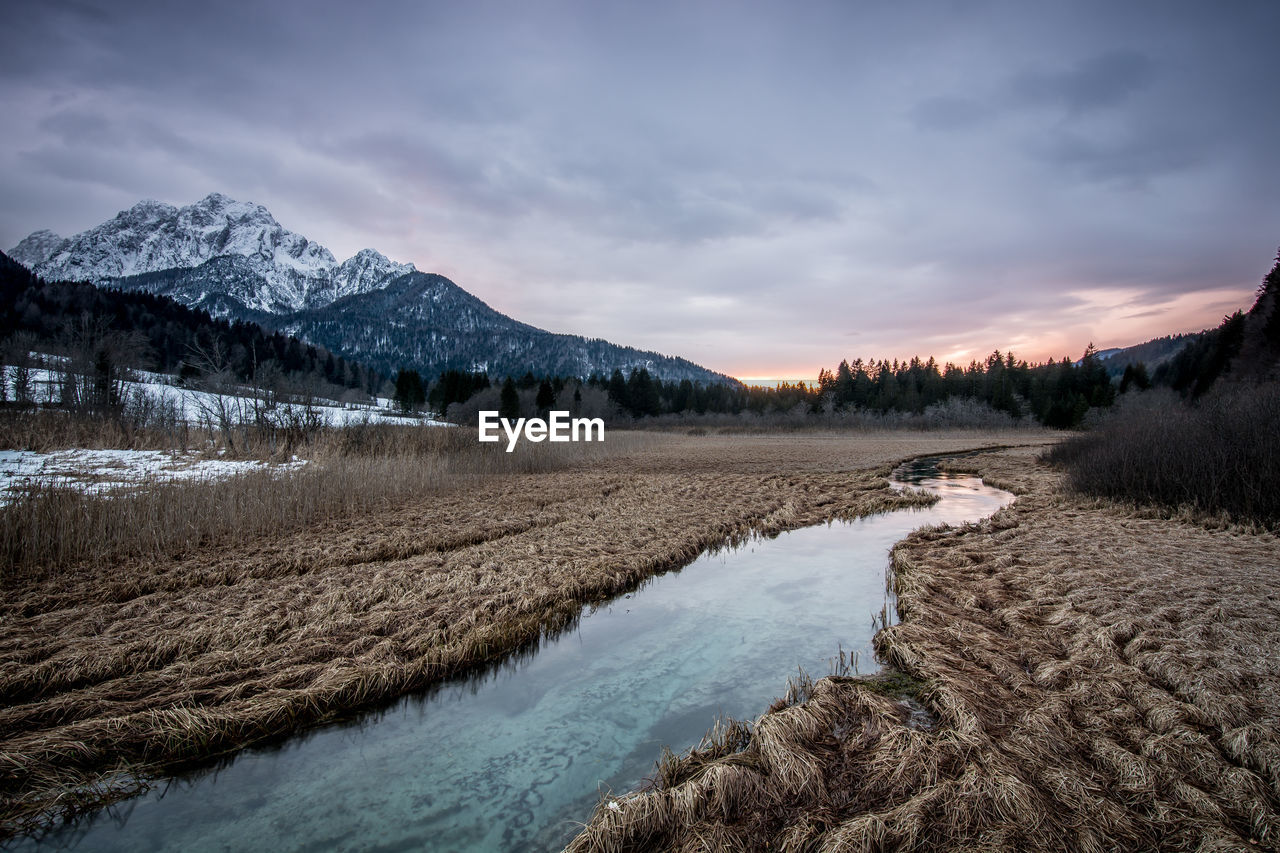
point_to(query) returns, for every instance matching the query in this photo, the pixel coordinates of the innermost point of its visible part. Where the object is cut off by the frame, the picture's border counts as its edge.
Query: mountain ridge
(234, 260)
(153, 236)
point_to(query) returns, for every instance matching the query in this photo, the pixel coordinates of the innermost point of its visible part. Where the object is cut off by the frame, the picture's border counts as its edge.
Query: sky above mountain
(764, 188)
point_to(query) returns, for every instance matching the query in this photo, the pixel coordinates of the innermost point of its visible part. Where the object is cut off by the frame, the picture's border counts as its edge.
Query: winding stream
(515, 759)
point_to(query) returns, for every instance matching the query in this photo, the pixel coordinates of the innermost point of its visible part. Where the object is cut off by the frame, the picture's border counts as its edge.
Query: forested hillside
(1245, 347)
(155, 333)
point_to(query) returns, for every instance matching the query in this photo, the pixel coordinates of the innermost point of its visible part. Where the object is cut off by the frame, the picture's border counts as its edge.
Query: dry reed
(1220, 456)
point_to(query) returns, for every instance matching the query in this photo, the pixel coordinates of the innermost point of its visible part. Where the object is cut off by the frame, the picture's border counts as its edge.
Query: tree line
(1055, 393)
(139, 329)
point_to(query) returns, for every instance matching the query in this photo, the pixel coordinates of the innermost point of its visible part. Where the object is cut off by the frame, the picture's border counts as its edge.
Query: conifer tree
(643, 393)
(410, 393)
(1135, 376)
(546, 398)
(509, 402)
(618, 391)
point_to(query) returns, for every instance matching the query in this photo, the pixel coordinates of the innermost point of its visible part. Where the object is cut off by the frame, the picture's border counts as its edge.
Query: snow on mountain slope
(365, 271)
(152, 236)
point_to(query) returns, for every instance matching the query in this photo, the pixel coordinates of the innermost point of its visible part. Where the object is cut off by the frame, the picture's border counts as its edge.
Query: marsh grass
(44, 430)
(1091, 680)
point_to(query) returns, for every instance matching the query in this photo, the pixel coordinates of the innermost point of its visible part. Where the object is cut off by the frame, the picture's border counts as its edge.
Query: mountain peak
(367, 269)
(217, 204)
(153, 237)
(287, 271)
(233, 259)
(36, 248)
(147, 209)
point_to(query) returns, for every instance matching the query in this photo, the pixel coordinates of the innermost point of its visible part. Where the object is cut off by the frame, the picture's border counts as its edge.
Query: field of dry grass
(110, 670)
(1097, 678)
(48, 528)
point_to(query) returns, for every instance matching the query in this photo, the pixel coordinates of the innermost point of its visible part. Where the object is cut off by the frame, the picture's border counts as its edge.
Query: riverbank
(111, 674)
(1095, 677)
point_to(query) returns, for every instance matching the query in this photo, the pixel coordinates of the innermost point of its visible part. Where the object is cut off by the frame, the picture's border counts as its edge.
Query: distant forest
(1057, 394)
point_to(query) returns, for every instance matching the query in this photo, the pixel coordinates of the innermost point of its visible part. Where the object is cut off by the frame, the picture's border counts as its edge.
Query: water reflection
(513, 757)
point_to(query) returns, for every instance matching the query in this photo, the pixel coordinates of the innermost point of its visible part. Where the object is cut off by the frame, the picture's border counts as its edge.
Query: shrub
(1219, 455)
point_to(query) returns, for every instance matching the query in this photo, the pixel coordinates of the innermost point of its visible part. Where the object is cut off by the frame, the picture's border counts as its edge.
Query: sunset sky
(764, 188)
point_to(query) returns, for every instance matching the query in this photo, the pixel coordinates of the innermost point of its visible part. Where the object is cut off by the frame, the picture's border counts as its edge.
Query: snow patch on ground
(106, 471)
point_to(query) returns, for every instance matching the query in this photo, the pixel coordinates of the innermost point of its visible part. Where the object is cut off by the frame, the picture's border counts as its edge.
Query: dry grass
(44, 430)
(111, 671)
(1097, 680)
(46, 529)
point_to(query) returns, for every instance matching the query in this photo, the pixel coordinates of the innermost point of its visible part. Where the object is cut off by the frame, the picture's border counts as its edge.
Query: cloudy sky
(765, 188)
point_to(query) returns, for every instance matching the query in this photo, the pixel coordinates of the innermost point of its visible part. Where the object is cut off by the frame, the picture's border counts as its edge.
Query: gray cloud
(1131, 161)
(1099, 82)
(948, 112)
(748, 186)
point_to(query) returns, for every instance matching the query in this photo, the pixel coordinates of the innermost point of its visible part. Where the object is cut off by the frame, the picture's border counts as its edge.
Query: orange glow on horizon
(1107, 318)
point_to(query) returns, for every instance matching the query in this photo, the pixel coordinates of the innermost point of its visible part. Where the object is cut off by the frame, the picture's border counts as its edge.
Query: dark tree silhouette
(509, 402)
(546, 398)
(410, 394)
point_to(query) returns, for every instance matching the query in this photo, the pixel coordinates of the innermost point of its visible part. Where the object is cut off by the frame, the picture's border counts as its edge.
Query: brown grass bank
(1097, 679)
(109, 672)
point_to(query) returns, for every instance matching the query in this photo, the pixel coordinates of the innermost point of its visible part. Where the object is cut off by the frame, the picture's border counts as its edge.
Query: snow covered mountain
(234, 260)
(153, 237)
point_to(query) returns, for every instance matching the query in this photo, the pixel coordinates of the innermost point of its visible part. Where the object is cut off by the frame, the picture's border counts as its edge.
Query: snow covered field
(104, 471)
(195, 407)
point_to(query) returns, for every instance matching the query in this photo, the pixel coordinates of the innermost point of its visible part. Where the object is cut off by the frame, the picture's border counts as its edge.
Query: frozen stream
(515, 759)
